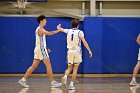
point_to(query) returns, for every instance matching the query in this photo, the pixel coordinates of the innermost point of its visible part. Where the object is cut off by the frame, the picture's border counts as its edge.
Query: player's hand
(90, 54)
(59, 28)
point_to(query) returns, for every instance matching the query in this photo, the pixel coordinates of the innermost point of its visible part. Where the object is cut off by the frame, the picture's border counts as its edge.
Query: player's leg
(47, 63)
(69, 69)
(28, 72)
(70, 57)
(135, 72)
(136, 69)
(48, 68)
(74, 74)
(77, 60)
(32, 68)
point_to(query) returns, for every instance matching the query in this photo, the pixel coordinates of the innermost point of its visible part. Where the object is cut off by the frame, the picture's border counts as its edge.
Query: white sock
(23, 79)
(134, 78)
(71, 83)
(65, 76)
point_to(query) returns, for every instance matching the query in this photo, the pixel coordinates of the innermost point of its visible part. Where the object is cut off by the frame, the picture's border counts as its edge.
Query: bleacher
(81, 8)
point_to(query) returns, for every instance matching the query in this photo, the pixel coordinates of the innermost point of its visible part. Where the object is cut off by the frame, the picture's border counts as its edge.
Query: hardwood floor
(84, 85)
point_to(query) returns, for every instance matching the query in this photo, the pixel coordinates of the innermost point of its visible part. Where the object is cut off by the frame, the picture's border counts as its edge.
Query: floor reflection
(133, 89)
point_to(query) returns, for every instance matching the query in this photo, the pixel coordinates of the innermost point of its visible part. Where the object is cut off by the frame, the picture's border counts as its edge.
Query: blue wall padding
(112, 41)
(93, 34)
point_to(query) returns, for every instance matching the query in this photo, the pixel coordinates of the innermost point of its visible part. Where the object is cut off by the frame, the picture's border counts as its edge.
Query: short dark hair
(41, 17)
(75, 23)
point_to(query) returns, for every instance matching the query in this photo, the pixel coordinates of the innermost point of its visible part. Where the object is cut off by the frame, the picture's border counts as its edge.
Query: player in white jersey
(74, 54)
(41, 53)
(137, 67)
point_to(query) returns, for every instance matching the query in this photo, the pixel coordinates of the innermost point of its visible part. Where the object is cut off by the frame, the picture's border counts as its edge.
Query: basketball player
(40, 53)
(74, 54)
(137, 67)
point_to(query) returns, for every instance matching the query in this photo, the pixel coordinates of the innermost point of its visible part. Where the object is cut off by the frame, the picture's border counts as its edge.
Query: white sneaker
(71, 87)
(64, 80)
(55, 84)
(23, 83)
(133, 83)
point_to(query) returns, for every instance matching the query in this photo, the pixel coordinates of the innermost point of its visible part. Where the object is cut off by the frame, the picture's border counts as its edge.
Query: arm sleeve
(81, 34)
(66, 30)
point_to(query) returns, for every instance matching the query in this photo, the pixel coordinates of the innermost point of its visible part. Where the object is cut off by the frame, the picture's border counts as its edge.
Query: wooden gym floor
(84, 85)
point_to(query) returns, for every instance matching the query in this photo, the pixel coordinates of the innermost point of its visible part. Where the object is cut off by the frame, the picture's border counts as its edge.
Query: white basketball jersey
(73, 38)
(40, 40)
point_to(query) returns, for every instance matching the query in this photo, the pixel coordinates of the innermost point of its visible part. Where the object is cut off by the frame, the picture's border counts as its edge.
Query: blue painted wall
(112, 41)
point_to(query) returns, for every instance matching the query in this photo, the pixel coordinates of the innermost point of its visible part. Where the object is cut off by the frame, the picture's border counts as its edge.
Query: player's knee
(70, 68)
(33, 66)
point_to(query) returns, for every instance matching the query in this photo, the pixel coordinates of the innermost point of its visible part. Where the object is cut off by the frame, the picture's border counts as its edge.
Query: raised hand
(60, 28)
(90, 54)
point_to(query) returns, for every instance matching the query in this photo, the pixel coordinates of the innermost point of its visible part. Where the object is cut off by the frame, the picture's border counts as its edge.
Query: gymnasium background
(111, 39)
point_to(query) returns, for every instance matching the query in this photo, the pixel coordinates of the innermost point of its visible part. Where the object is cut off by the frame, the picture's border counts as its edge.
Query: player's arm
(62, 29)
(138, 39)
(43, 31)
(86, 45)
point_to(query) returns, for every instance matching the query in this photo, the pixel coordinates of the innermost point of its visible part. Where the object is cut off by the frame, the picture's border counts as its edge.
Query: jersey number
(72, 35)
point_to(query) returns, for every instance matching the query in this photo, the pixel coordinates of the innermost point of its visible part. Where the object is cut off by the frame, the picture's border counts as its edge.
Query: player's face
(44, 22)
